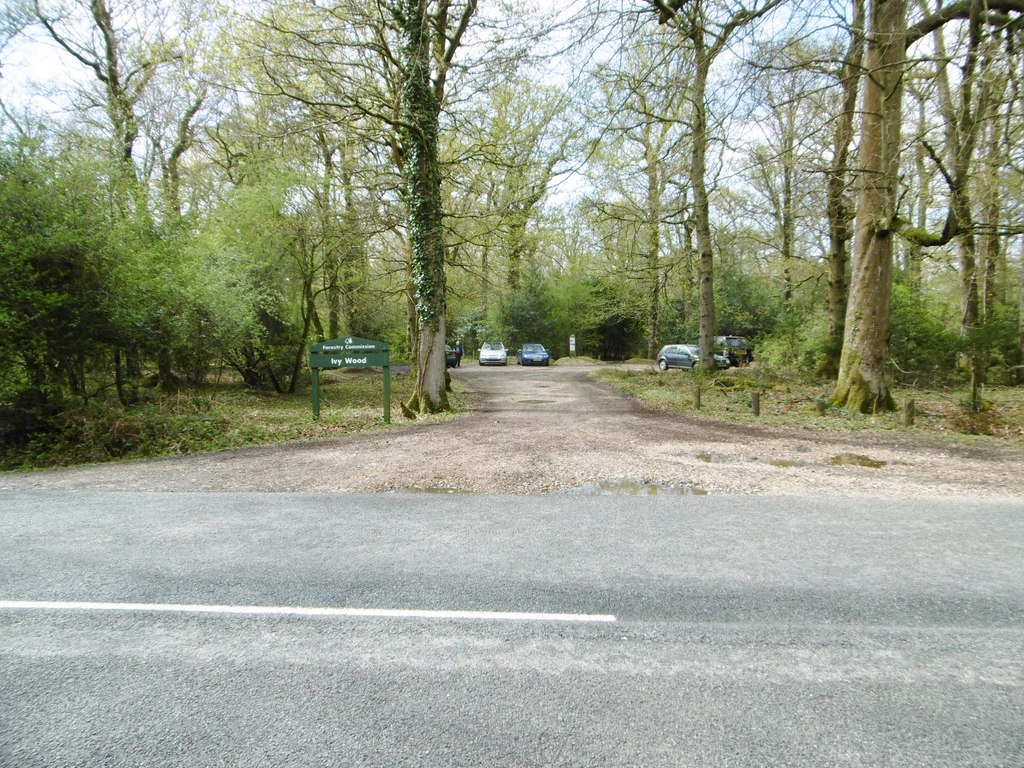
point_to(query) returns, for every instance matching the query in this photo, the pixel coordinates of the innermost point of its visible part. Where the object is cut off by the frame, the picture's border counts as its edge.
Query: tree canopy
(210, 191)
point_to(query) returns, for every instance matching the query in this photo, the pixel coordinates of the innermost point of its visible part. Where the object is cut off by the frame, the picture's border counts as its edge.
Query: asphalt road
(688, 631)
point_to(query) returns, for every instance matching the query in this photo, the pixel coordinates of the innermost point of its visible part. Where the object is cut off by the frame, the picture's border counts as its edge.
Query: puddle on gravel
(627, 487)
(855, 460)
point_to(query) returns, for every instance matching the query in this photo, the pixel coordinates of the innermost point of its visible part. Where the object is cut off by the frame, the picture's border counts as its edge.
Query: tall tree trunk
(915, 251)
(961, 138)
(420, 114)
(516, 250)
(701, 206)
(861, 385)
(653, 267)
(332, 244)
(485, 254)
(838, 210)
(995, 288)
(708, 42)
(788, 213)
(1019, 377)
(354, 261)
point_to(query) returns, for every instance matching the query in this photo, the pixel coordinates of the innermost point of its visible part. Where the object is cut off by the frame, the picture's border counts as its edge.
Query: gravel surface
(540, 430)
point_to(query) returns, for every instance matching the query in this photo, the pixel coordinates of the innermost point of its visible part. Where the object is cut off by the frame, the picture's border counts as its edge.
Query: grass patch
(791, 402)
(219, 418)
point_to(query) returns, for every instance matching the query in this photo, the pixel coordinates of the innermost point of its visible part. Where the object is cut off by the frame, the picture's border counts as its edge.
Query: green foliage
(54, 313)
(995, 344)
(605, 315)
(471, 328)
(249, 296)
(793, 347)
(525, 316)
(923, 344)
(600, 312)
(680, 321)
(745, 305)
(572, 307)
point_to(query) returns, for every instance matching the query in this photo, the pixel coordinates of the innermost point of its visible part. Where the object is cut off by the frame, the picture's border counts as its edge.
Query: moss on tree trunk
(855, 392)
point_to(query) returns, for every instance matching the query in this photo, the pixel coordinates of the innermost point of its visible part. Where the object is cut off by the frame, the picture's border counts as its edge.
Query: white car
(493, 353)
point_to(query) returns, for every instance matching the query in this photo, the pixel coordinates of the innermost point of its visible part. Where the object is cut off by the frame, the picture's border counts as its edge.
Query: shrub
(923, 347)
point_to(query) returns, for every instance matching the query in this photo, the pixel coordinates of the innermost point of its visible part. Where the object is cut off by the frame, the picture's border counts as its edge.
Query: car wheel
(663, 365)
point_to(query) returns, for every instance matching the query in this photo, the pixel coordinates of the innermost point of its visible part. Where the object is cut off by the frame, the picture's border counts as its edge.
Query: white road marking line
(265, 610)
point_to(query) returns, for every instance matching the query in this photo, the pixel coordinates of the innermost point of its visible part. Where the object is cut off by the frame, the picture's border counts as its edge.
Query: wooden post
(696, 396)
(908, 413)
(755, 402)
(316, 392)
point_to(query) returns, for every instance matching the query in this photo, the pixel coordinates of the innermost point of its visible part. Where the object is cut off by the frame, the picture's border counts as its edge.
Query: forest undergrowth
(795, 402)
(214, 418)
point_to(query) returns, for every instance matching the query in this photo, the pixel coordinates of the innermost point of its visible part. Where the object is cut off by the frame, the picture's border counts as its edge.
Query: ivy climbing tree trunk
(428, 44)
(420, 114)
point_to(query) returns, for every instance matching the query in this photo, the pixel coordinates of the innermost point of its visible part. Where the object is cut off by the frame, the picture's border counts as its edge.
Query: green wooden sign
(348, 360)
(350, 345)
(350, 352)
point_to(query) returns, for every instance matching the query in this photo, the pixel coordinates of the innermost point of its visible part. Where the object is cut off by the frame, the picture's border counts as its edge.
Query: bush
(28, 415)
(922, 345)
(795, 347)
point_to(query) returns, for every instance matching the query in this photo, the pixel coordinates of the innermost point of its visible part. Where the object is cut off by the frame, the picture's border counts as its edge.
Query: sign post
(350, 352)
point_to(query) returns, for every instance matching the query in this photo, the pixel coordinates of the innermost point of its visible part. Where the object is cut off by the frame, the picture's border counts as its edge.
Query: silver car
(493, 353)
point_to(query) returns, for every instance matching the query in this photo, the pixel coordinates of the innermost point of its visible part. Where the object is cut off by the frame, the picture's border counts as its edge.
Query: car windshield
(532, 348)
(492, 345)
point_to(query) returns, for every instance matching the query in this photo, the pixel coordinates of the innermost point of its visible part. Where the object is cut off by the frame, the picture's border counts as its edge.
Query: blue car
(533, 354)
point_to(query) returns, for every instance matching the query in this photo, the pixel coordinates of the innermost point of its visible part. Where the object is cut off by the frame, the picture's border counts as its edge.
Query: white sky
(33, 67)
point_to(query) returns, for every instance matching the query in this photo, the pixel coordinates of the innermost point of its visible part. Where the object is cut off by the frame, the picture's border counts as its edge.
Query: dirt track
(538, 430)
